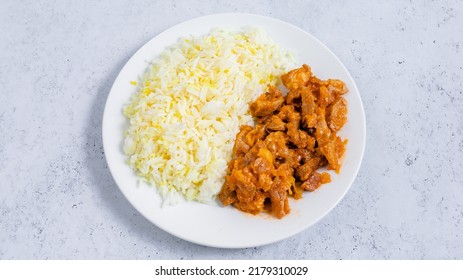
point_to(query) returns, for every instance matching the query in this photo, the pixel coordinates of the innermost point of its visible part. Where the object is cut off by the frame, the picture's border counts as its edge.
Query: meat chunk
(267, 103)
(254, 206)
(254, 135)
(265, 181)
(315, 180)
(312, 183)
(297, 191)
(315, 84)
(325, 97)
(302, 155)
(304, 171)
(275, 123)
(337, 87)
(279, 196)
(241, 145)
(253, 153)
(288, 114)
(245, 182)
(293, 97)
(333, 150)
(322, 131)
(266, 155)
(309, 117)
(276, 144)
(227, 194)
(237, 163)
(299, 137)
(297, 78)
(285, 171)
(336, 114)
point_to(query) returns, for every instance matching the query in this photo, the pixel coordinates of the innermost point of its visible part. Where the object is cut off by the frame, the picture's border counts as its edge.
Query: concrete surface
(58, 60)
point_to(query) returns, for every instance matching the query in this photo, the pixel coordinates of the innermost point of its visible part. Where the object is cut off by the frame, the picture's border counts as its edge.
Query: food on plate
(295, 135)
(190, 104)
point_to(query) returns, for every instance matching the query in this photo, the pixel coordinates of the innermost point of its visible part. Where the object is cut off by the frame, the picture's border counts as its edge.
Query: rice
(189, 105)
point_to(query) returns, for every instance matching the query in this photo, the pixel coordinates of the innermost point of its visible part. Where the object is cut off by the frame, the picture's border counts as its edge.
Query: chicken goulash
(294, 136)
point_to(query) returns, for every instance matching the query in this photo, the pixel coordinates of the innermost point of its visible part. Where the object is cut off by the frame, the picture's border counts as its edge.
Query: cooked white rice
(190, 104)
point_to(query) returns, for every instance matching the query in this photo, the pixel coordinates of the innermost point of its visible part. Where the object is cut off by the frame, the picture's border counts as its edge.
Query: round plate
(226, 227)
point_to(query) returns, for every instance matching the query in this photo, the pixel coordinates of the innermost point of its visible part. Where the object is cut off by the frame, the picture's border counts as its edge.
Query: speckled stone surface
(58, 60)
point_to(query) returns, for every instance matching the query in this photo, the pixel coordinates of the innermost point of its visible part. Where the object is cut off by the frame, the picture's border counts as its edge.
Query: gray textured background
(58, 61)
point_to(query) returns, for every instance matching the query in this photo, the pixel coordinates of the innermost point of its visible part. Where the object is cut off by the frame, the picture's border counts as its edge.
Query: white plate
(227, 227)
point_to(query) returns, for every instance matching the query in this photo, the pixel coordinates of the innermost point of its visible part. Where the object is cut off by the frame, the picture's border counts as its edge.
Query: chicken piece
(313, 182)
(299, 137)
(265, 154)
(257, 133)
(336, 114)
(337, 87)
(318, 154)
(263, 168)
(293, 97)
(285, 172)
(325, 177)
(296, 190)
(289, 115)
(231, 164)
(275, 123)
(252, 154)
(241, 146)
(322, 131)
(246, 184)
(264, 119)
(301, 156)
(276, 144)
(333, 151)
(237, 163)
(279, 197)
(309, 118)
(315, 83)
(227, 194)
(297, 78)
(254, 206)
(325, 97)
(265, 181)
(267, 103)
(304, 171)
